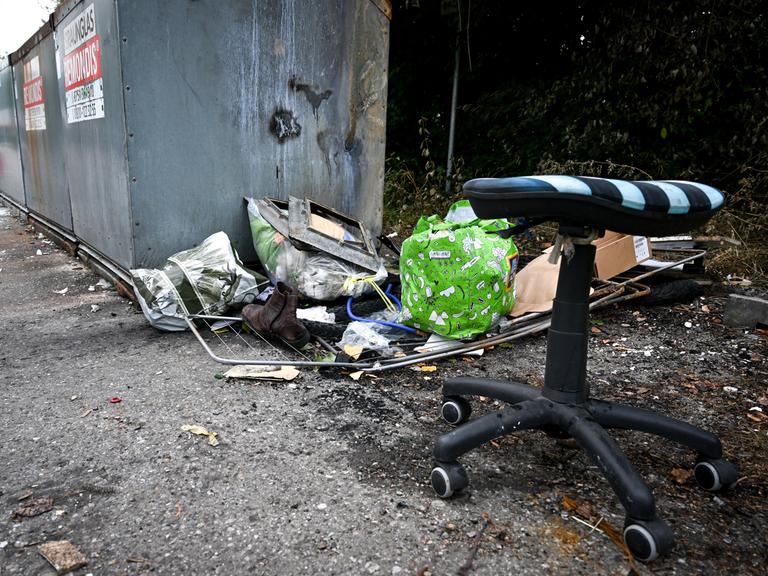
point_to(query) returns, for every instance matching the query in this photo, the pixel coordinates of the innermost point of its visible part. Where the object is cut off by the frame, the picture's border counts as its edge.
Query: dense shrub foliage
(673, 89)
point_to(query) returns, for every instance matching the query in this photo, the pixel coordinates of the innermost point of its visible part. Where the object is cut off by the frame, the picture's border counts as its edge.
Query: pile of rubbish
(328, 294)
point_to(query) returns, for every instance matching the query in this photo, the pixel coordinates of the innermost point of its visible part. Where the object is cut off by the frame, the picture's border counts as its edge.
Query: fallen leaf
(200, 431)
(681, 475)
(353, 351)
(33, 508)
(757, 416)
(705, 309)
(595, 330)
(585, 510)
(178, 509)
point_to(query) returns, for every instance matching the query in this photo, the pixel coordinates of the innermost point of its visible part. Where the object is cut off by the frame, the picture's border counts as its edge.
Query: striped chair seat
(654, 207)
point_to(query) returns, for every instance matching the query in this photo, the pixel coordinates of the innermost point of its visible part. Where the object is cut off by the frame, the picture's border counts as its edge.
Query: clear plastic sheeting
(207, 279)
(314, 275)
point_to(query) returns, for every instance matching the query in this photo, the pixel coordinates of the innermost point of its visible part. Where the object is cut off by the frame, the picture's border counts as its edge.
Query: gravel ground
(329, 475)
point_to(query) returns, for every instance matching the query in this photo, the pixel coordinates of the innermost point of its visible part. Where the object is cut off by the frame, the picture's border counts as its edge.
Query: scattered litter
(340, 256)
(356, 375)
(26, 495)
(755, 409)
(73, 398)
(32, 508)
(115, 400)
(103, 284)
(364, 335)
(40, 236)
(688, 325)
(200, 431)
(322, 506)
(222, 326)
(282, 373)
(436, 343)
(137, 560)
(84, 414)
(3, 544)
(206, 279)
(316, 314)
(91, 288)
(730, 389)
(757, 416)
(95, 307)
(39, 252)
(62, 291)
(62, 555)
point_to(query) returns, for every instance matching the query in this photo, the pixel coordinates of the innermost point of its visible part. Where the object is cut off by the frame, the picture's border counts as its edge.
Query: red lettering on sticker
(33, 92)
(83, 65)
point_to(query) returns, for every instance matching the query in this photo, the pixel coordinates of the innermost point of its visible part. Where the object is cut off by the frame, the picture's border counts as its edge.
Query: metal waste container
(174, 110)
(40, 129)
(11, 181)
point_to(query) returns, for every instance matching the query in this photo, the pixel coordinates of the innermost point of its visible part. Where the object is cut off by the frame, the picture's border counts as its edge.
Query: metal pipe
(452, 128)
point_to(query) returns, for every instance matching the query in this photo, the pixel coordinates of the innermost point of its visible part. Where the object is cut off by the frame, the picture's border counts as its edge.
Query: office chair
(583, 208)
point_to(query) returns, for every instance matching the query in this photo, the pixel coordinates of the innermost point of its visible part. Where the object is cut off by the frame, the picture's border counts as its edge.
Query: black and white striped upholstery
(654, 207)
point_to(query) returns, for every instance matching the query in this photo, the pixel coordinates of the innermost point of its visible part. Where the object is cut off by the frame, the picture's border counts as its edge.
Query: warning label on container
(83, 84)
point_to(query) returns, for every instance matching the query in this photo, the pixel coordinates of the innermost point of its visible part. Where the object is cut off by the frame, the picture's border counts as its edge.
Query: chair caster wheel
(455, 410)
(715, 474)
(648, 539)
(448, 478)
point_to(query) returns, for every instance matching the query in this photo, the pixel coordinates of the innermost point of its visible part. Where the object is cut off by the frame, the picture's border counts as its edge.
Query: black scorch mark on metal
(312, 93)
(284, 125)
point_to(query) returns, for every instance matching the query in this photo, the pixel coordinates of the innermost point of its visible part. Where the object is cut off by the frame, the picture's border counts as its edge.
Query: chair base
(645, 534)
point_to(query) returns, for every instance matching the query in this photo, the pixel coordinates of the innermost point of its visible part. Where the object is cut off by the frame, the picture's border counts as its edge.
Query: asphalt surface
(329, 475)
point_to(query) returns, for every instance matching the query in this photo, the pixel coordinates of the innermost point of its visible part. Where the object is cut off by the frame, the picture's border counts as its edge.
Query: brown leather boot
(278, 317)
(287, 325)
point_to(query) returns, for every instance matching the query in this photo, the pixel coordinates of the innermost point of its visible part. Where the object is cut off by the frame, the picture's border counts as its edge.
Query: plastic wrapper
(368, 335)
(457, 274)
(207, 279)
(314, 275)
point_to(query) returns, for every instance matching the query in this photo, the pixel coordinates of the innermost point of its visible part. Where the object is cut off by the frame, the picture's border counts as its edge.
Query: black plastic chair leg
(523, 416)
(628, 485)
(626, 417)
(505, 390)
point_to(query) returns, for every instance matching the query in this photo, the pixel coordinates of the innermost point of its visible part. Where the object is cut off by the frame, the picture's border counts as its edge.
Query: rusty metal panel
(40, 129)
(93, 120)
(11, 179)
(267, 98)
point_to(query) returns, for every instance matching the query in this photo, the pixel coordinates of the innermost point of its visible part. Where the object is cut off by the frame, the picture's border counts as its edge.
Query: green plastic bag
(457, 274)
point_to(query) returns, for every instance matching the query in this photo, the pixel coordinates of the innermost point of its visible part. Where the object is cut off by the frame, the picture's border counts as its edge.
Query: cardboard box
(617, 253)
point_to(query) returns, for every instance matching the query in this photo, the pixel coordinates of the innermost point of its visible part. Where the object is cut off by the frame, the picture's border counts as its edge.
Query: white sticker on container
(641, 248)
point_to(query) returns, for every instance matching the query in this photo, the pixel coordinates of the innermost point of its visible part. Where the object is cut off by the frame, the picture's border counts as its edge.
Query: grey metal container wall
(11, 179)
(207, 102)
(40, 129)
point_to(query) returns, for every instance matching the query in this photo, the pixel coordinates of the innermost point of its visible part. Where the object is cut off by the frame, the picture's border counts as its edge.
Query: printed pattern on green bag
(457, 274)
